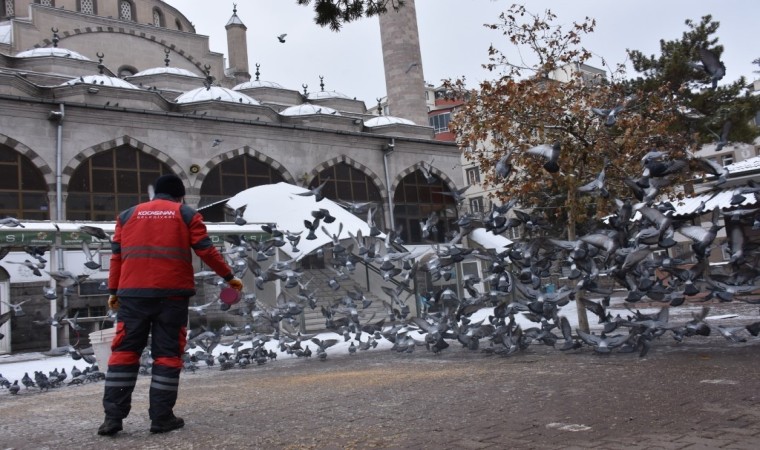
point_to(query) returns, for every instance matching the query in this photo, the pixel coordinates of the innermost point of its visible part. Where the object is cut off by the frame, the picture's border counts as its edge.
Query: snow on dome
(215, 93)
(326, 94)
(101, 80)
(257, 84)
(306, 109)
(51, 51)
(166, 70)
(386, 120)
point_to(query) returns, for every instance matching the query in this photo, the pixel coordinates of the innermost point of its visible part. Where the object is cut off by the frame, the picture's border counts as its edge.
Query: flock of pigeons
(624, 250)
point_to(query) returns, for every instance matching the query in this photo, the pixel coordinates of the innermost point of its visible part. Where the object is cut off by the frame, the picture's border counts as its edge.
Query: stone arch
(83, 155)
(120, 30)
(433, 170)
(245, 150)
(376, 180)
(47, 171)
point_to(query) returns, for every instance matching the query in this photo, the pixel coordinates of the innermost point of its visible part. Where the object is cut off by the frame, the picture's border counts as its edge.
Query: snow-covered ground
(13, 367)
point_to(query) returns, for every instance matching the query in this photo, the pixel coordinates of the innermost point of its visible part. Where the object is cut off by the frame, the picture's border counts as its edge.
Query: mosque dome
(326, 94)
(257, 84)
(101, 80)
(52, 51)
(166, 70)
(203, 94)
(306, 109)
(386, 120)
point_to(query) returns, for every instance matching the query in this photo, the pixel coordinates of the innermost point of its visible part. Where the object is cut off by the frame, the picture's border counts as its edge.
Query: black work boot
(166, 424)
(109, 427)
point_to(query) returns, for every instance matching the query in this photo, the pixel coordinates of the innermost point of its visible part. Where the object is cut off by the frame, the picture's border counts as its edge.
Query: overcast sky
(453, 39)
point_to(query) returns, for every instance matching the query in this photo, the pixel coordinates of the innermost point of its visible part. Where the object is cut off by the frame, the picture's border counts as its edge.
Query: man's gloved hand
(235, 283)
(113, 303)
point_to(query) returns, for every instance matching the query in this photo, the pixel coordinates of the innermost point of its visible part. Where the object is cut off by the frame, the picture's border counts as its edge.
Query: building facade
(90, 115)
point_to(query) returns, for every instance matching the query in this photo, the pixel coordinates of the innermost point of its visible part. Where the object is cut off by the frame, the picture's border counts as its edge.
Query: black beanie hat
(169, 184)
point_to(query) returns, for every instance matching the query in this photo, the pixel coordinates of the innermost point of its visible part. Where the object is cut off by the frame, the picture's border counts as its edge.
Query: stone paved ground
(704, 393)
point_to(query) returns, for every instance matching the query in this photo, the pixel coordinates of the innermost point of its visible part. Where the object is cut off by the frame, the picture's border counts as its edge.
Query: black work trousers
(165, 320)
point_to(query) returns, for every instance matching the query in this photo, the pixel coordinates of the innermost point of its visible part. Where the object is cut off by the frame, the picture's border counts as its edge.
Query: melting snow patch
(569, 426)
(719, 381)
(724, 316)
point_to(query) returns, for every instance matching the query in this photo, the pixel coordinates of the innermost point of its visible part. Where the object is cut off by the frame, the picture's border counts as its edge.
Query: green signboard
(21, 237)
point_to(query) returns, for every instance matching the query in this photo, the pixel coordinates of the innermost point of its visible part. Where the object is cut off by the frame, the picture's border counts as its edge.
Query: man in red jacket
(151, 281)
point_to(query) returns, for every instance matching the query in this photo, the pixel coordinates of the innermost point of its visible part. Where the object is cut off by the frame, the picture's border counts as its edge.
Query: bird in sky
(711, 64)
(281, 37)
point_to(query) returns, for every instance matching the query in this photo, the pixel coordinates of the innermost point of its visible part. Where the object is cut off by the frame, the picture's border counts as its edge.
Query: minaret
(404, 80)
(237, 47)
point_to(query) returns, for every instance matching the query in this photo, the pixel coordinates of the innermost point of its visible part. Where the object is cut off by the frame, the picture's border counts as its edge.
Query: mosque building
(98, 98)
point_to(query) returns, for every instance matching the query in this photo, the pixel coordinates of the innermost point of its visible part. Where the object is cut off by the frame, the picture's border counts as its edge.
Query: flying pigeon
(281, 37)
(711, 64)
(549, 153)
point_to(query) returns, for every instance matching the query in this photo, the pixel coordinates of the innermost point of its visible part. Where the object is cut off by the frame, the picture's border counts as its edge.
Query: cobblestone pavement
(703, 393)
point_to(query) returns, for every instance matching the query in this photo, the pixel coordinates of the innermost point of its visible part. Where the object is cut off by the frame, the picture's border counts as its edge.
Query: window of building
(512, 233)
(6, 8)
(440, 122)
(126, 10)
(45, 2)
(158, 17)
(23, 191)
(110, 182)
(414, 200)
(348, 184)
(87, 6)
(473, 175)
(232, 176)
(476, 204)
(727, 159)
(178, 23)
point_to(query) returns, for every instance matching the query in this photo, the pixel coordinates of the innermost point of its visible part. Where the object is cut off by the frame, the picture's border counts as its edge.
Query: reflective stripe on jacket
(151, 250)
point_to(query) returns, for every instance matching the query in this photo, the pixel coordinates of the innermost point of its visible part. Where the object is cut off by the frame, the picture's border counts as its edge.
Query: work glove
(113, 303)
(235, 283)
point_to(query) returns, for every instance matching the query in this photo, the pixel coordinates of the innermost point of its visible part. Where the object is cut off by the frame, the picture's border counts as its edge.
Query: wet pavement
(702, 393)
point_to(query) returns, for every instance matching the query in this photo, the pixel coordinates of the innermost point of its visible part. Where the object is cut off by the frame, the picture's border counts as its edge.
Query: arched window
(23, 191)
(347, 184)
(126, 10)
(413, 202)
(158, 18)
(232, 176)
(110, 182)
(178, 23)
(87, 6)
(6, 8)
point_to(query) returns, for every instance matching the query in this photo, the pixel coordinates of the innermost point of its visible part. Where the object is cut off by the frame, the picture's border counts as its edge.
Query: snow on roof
(203, 94)
(101, 80)
(326, 94)
(306, 109)
(746, 165)
(257, 84)
(721, 199)
(5, 33)
(166, 70)
(49, 51)
(386, 120)
(280, 204)
(486, 239)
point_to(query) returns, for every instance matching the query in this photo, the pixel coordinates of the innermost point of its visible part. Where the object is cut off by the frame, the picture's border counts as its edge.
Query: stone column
(404, 79)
